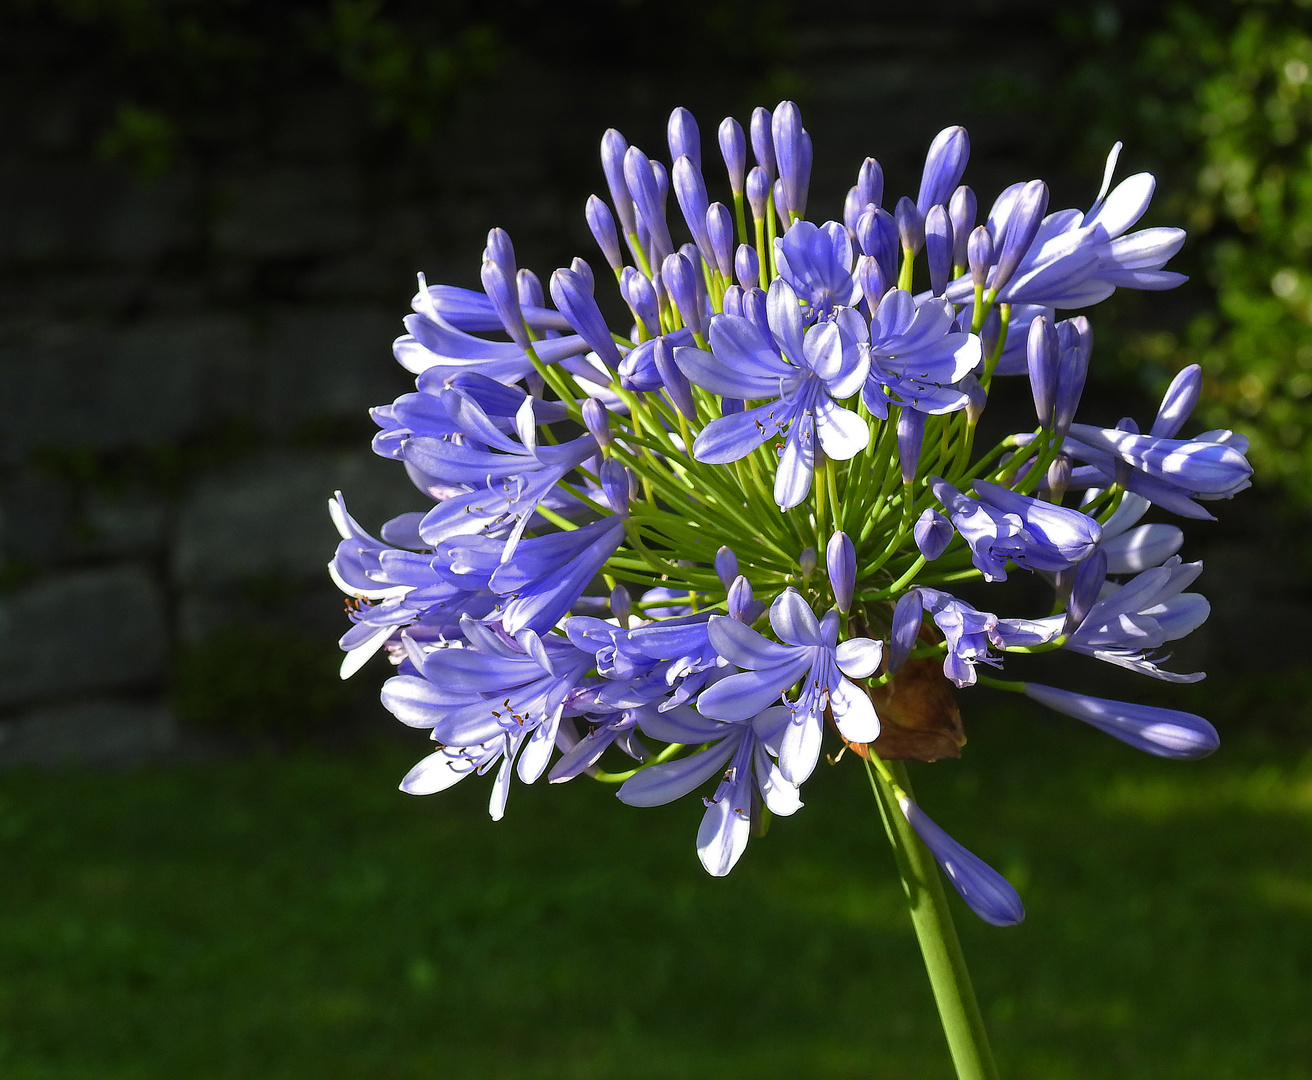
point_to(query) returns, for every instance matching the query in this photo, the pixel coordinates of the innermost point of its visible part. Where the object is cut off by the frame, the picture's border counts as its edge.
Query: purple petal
(988, 894)
(657, 785)
(742, 696)
(1164, 732)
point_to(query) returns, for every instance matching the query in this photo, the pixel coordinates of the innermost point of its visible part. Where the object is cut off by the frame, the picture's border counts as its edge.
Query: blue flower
(498, 480)
(606, 728)
(434, 343)
(1003, 526)
(745, 745)
(803, 374)
(492, 697)
(492, 599)
(971, 634)
(666, 661)
(811, 653)
(988, 894)
(1129, 621)
(816, 262)
(1169, 472)
(1166, 733)
(1074, 259)
(393, 589)
(547, 574)
(917, 355)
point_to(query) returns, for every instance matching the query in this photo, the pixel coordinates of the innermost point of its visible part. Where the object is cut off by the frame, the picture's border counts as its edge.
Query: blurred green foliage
(1216, 96)
(1245, 83)
(298, 917)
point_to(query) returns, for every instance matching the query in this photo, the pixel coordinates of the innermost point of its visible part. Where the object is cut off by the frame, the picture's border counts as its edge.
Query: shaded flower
(812, 653)
(746, 746)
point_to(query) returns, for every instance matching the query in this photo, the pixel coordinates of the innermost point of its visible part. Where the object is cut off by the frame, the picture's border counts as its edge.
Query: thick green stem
(957, 1009)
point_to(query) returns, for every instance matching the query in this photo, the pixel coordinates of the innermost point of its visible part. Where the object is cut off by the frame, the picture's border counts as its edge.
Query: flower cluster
(701, 542)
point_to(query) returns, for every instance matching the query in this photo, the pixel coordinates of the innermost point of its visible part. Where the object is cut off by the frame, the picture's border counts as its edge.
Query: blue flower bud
(1089, 576)
(807, 561)
(910, 226)
(602, 224)
(938, 248)
(596, 418)
(621, 605)
(1165, 733)
(840, 565)
(910, 435)
(726, 565)
(986, 892)
(733, 148)
(641, 297)
(584, 272)
(781, 202)
(852, 208)
(1178, 402)
(747, 265)
(529, 288)
(763, 143)
(684, 137)
(979, 256)
(877, 233)
(792, 151)
(719, 230)
(976, 397)
(870, 183)
(690, 191)
(733, 300)
(1053, 486)
(662, 177)
(907, 617)
(640, 175)
(676, 382)
(870, 278)
(615, 484)
(1022, 225)
(933, 532)
(758, 193)
(501, 251)
(578, 305)
(505, 302)
(1075, 338)
(755, 311)
(742, 603)
(613, 150)
(677, 273)
(944, 164)
(1041, 351)
(962, 210)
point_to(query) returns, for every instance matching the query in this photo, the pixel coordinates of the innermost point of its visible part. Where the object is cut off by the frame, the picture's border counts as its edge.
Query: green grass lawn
(300, 917)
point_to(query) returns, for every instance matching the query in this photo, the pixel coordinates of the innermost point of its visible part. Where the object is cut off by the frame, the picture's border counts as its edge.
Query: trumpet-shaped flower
(810, 652)
(802, 372)
(746, 746)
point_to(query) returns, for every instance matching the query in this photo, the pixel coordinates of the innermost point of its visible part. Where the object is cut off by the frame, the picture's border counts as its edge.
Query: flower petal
(663, 783)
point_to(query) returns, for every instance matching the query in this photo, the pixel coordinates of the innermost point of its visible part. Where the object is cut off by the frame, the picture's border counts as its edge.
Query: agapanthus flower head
(781, 424)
